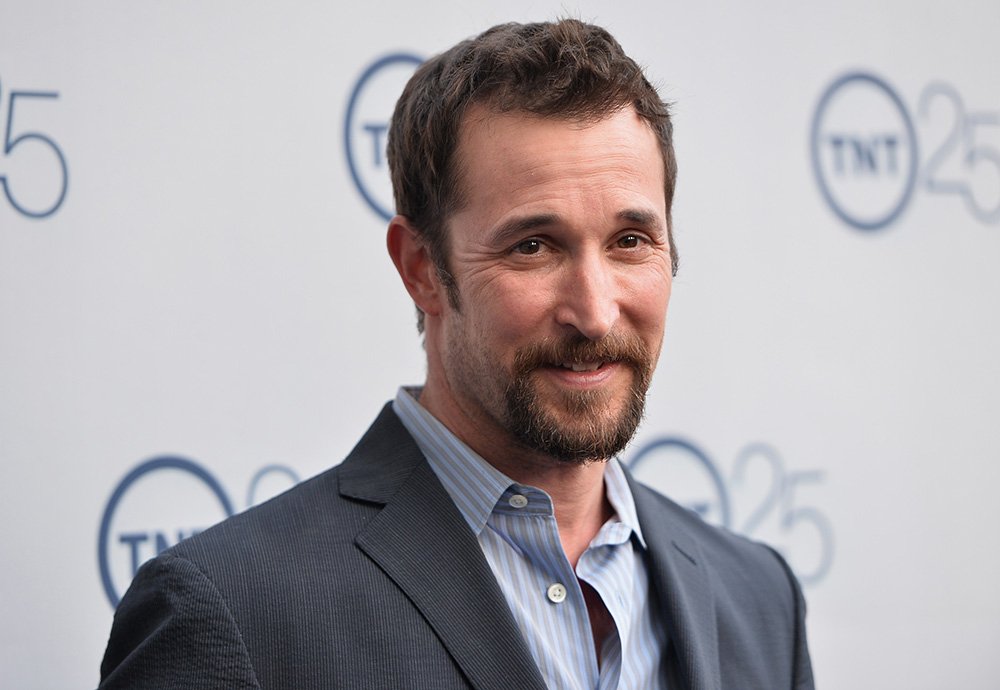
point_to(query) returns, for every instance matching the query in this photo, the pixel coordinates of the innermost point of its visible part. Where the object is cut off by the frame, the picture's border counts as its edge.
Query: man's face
(562, 270)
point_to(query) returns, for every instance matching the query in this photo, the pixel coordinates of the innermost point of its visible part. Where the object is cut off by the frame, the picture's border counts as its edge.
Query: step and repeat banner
(197, 310)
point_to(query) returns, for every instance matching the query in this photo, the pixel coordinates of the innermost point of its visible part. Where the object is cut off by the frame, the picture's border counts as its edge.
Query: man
(482, 534)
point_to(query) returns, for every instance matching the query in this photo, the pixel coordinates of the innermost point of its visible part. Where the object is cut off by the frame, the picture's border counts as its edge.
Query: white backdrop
(196, 307)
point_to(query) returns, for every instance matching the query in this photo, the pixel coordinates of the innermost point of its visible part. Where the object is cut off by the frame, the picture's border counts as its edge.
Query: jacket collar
(420, 540)
(683, 588)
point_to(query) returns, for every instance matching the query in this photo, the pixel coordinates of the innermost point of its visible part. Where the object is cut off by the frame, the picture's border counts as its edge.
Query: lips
(582, 366)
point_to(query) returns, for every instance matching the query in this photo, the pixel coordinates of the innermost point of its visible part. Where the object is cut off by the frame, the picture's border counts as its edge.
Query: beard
(577, 427)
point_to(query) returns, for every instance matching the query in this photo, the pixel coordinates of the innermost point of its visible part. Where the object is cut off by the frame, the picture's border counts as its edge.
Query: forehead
(513, 159)
(526, 134)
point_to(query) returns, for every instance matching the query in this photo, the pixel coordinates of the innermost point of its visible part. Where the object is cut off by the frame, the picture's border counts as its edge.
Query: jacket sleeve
(803, 664)
(174, 630)
(802, 675)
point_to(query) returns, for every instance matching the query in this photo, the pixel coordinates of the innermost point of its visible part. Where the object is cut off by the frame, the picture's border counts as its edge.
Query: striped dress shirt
(516, 528)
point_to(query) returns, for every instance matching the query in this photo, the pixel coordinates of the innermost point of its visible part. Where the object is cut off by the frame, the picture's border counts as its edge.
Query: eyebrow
(644, 219)
(517, 226)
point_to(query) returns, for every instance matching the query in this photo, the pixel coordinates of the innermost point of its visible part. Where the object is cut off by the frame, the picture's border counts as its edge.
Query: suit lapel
(420, 540)
(683, 586)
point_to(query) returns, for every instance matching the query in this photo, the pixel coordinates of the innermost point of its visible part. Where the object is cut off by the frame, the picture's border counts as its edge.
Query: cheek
(515, 322)
(662, 299)
(511, 308)
(650, 299)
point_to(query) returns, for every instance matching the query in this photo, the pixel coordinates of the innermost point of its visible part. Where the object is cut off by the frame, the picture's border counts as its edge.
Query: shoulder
(215, 602)
(660, 512)
(271, 524)
(745, 588)
(740, 568)
(320, 515)
(202, 613)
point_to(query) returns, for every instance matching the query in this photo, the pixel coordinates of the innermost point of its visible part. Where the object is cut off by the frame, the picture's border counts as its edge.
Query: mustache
(614, 347)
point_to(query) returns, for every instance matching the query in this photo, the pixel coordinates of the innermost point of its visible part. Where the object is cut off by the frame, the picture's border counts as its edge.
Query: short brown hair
(564, 69)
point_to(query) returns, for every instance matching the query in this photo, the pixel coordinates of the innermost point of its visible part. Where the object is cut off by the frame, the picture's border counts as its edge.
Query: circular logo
(864, 151)
(270, 481)
(157, 504)
(367, 123)
(679, 469)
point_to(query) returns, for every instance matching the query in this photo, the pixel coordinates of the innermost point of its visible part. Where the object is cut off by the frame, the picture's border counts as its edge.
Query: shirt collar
(474, 484)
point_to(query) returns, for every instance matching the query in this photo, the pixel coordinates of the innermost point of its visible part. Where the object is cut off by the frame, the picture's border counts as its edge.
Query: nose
(589, 299)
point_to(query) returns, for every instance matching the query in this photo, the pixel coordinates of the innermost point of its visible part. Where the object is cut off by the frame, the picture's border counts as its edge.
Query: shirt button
(556, 593)
(518, 501)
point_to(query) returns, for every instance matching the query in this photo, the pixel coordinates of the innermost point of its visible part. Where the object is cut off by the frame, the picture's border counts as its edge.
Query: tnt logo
(864, 151)
(367, 122)
(157, 504)
(162, 501)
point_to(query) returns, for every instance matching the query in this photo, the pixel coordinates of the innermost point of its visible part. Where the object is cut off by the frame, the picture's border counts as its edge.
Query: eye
(531, 246)
(629, 241)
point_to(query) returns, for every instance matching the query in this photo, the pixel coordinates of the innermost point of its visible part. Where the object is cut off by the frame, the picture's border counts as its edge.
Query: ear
(413, 262)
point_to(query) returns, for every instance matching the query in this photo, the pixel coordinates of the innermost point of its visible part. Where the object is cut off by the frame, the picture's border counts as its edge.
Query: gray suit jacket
(367, 576)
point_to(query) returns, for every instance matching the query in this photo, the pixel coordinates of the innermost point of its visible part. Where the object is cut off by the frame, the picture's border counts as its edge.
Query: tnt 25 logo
(759, 497)
(33, 172)
(367, 122)
(871, 152)
(161, 501)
